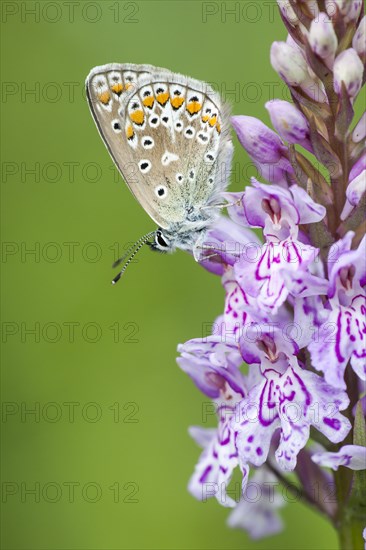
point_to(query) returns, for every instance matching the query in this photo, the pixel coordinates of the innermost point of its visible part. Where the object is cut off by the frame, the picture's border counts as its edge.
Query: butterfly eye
(159, 239)
(161, 191)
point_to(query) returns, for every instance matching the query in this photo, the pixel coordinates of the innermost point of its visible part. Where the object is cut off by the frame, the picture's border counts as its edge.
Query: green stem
(350, 531)
(294, 489)
(351, 516)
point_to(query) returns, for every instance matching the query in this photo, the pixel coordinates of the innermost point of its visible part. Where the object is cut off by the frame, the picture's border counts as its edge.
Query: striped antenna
(131, 252)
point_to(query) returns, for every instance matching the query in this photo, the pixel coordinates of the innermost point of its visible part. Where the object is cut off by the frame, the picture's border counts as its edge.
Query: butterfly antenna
(138, 245)
(132, 248)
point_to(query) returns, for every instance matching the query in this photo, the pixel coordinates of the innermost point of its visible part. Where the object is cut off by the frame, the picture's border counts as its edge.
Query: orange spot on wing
(218, 127)
(104, 97)
(205, 118)
(128, 86)
(194, 107)
(212, 121)
(137, 117)
(148, 101)
(162, 98)
(117, 88)
(129, 132)
(177, 102)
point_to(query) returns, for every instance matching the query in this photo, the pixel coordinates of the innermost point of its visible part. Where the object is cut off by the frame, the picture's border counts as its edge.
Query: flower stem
(350, 530)
(293, 489)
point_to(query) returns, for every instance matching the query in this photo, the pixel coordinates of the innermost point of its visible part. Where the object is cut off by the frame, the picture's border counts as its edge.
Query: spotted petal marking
(292, 401)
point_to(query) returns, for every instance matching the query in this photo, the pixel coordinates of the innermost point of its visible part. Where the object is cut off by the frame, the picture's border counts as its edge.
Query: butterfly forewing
(165, 133)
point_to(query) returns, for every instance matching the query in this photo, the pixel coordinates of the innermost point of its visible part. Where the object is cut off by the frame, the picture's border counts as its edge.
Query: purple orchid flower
(257, 511)
(212, 363)
(216, 464)
(290, 399)
(225, 243)
(342, 337)
(351, 456)
(226, 385)
(277, 210)
(295, 300)
(266, 278)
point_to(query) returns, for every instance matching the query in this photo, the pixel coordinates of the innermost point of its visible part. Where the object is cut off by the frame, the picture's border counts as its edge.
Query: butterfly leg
(226, 205)
(199, 257)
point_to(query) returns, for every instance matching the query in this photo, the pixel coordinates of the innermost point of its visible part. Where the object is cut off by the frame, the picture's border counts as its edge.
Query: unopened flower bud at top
(290, 63)
(354, 10)
(289, 122)
(322, 37)
(348, 68)
(312, 7)
(359, 39)
(288, 12)
(349, 9)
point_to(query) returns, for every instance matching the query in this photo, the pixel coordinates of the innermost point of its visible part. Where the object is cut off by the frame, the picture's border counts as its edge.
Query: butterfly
(169, 136)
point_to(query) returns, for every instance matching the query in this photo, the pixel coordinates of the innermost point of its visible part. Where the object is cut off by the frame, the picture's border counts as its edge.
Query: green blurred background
(107, 450)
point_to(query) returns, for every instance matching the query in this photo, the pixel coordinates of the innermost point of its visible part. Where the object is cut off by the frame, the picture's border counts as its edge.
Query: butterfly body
(169, 137)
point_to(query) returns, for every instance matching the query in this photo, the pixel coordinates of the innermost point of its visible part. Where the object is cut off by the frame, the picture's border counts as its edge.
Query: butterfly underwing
(169, 136)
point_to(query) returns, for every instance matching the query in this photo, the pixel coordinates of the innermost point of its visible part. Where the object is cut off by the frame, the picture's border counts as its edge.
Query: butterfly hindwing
(167, 134)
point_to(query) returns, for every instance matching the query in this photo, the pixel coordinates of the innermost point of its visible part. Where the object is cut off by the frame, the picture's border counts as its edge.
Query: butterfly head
(162, 242)
(168, 240)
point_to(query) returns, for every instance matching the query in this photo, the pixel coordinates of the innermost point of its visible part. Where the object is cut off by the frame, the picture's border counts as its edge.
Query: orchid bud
(358, 167)
(359, 39)
(260, 142)
(359, 132)
(350, 9)
(356, 186)
(289, 122)
(322, 37)
(312, 7)
(291, 42)
(291, 65)
(354, 11)
(354, 192)
(333, 5)
(348, 68)
(288, 12)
